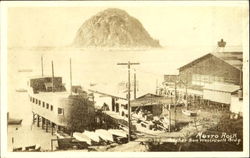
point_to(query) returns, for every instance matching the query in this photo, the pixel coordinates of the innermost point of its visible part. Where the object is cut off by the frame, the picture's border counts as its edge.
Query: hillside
(113, 28)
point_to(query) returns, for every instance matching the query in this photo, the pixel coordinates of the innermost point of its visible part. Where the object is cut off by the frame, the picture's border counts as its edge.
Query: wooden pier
(46, 124)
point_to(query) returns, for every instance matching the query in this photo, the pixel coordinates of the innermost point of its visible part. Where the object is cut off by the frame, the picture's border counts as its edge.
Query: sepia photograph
(165, 78)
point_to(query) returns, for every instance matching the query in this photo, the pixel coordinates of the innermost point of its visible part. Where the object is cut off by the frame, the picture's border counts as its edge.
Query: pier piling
(52, 126)
(46, 125)
(33, 118)
(43, 123)
(38, 120)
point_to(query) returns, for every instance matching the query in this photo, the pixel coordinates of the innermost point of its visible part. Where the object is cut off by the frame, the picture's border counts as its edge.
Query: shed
(218, 92)
(150, 102)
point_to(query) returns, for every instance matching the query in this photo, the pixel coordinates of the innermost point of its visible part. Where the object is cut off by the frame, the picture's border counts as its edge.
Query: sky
(172, 25)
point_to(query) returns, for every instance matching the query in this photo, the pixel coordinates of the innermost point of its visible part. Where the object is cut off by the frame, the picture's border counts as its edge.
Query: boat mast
(52, 76)
(70, 77)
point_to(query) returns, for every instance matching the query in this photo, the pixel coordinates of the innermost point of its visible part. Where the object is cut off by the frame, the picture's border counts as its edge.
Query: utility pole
(175, 103)
(42, 64)
(129, 117)
(134, 84)
(169, 117)
(186, 83)
(70, 76)
(186, 96)
(52, 76)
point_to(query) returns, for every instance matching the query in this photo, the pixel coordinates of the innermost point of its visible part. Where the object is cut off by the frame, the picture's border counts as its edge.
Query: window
(43, 104)
(51, 107)
(47, 106)
(39, 102)
(60, 111)
(36, 101)
(33, 100)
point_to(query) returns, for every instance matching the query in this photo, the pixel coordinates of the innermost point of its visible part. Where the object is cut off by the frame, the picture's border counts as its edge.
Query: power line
(129, 117)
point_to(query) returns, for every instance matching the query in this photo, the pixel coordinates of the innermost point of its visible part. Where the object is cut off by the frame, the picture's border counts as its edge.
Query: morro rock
(113, 28)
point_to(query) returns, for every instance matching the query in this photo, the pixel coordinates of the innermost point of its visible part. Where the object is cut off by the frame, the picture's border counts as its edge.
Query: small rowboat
(118, 132)
(31, 148)
(82, 137)
(189, 113)
(12, 121)
(25, 70)
(21, 90)
(105, 135)
(92, 135)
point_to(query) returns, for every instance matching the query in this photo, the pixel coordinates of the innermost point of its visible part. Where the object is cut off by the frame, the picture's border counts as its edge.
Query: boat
(104, 134)
(82, 137)
(12, 121)
(118, 132)
(189, 113)
(62, 135)
(25, 70)
(92, 135)
(64, 140)
(50, 100)
(31, 148)
(21, 90)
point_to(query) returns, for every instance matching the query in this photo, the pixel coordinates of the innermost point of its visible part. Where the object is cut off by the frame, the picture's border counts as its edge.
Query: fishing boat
(104, 134)
(82, 137)
(12, 121)
(189, 113)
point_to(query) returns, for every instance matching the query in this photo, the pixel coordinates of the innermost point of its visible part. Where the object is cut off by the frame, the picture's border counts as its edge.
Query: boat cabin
(46, 84)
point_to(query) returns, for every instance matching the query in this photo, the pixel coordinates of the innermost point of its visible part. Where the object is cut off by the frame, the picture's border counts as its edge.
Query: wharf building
(215, 78)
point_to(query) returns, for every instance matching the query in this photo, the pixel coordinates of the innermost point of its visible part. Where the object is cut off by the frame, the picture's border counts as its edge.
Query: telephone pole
(134, 84)
(175, 102)
(129, 117)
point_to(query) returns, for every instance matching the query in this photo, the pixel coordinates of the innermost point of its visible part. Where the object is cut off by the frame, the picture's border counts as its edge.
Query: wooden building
(150, 102)
(216, 67)
(214, 76)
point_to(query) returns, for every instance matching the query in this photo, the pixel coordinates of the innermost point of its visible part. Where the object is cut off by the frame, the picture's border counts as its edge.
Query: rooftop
(150, 99)
(233, 58)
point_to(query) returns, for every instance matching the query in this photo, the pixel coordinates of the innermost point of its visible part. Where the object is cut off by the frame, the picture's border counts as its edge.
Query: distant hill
(113, 28)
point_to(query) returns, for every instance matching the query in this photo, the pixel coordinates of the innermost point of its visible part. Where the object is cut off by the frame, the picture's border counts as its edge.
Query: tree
(81, 115)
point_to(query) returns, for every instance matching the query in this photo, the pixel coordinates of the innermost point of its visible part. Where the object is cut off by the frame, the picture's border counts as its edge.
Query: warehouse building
(214, 77)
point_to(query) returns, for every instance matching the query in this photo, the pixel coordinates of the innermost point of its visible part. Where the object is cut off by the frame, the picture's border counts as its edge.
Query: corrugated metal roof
(221, 87)
(196, 61)
(233, 58)
(232, 55)
(150, 99)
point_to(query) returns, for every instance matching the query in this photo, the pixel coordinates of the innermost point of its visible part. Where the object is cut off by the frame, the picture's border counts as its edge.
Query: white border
(5, 5)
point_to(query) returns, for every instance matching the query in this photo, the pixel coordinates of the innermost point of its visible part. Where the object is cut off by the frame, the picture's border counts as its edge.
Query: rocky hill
(113, 28)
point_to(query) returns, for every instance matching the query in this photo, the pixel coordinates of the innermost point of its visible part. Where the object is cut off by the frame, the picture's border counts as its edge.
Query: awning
(222, 87)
